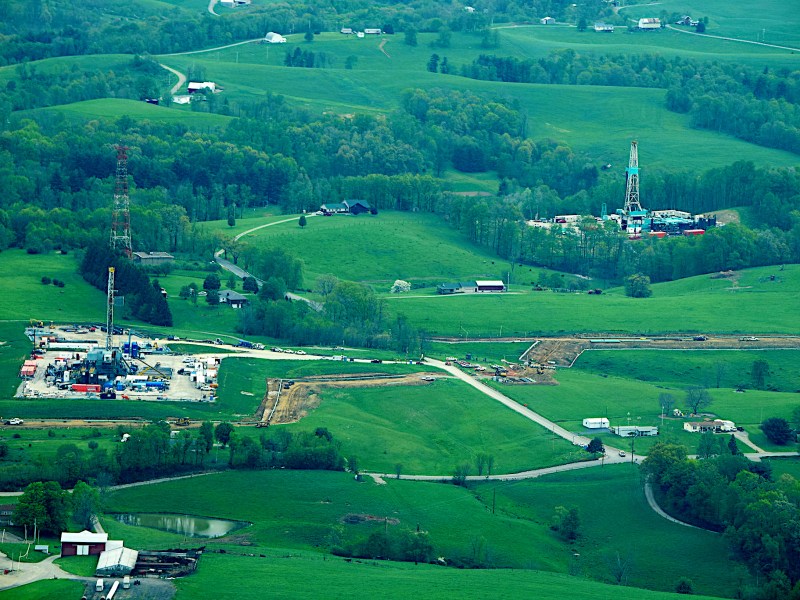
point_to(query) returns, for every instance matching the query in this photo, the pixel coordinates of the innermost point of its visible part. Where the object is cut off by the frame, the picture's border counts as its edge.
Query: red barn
(84, 543)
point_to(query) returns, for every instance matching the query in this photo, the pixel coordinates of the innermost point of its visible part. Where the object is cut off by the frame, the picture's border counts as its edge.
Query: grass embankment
(304, 510)
(84, 566)
(49, 589)
(754, 304)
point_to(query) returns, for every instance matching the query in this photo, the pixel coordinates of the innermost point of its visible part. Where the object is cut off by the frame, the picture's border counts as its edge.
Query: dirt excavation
(300, 396)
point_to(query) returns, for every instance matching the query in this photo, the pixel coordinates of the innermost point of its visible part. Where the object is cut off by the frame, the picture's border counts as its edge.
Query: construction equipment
(182, 422)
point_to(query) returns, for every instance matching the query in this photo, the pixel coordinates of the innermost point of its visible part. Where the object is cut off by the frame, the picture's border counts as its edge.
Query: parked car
(622, 452)
(14, 421)
(748, 338)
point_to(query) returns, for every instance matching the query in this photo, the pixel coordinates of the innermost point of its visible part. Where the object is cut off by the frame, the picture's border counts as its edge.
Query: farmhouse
(353, 207)
(445, 289)
(713, 426)
(196, 86)
(233, 299)
(6, 514)
(634, 431)
(650, 23)
(84, 543)
(146, 259)
(274, 38)
(547, 21)
(603, 28)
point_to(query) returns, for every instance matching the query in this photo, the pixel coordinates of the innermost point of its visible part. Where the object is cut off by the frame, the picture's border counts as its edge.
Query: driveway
(29, 572)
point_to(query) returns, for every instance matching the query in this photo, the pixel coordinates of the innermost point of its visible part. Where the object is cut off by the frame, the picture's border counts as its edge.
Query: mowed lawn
(616, 520)
(431, 429)
(696, 304)
(47, 589)
(382, 248)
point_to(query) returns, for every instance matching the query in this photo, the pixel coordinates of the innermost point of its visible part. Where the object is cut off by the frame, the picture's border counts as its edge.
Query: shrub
(46, 280)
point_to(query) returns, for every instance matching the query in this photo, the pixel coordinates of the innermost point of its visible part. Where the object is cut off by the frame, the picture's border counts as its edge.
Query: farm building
(445, 289)
(596, 423)
(84, 543)
(7, 514)
(490, 286)
(334, 208)
(713, 426)
(634, 431)
(469, 287)
(372, 31)
(346, 30)
(233, 299)
(196, 86)
(274, 38)
(353, 207)
(650, 23)
(547, 21)
(146, 259)
(116, 561)
(603, 28)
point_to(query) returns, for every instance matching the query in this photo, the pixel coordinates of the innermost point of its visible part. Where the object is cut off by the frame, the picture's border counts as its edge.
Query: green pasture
(292, 574)
(696, 304)
(200, 317)
(34, 441)
(708, 368)
(382, 248)
(600, 121)
(301, 510)
(113, 108)
(49, 589)
(17, 551)
(305, 510)
(433, 428)
(773, 22)
(789, 466)
(615, 518)
(22, 272)
(253, 217)
(14, 350)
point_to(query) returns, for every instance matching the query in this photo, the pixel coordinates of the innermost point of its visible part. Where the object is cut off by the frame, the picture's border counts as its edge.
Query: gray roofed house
(235, 299)
(334, 207)
(152, 258)
(448, 288)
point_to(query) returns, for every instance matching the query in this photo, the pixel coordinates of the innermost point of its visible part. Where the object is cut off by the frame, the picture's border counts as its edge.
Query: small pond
(186, 525)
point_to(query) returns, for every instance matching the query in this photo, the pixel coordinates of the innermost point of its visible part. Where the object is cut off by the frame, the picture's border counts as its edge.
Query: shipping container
(693, 232)
(85, 387)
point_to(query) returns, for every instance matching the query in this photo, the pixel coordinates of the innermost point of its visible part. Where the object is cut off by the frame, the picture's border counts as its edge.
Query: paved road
(181, 78)
(241, 273)
(648, 493)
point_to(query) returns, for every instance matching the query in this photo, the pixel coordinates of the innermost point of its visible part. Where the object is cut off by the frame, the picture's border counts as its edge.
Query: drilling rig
(632, 216)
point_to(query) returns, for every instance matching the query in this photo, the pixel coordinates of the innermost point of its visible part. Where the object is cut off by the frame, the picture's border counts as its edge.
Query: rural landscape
(399, 299)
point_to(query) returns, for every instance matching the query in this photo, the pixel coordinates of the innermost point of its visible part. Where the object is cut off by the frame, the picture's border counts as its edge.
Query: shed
(116, 562)
(274, 38)
(634, 431)
(596, 423)
(84, 543)
(490, 286)
(468, 286)
(356, 207)
(704, 426)
(547, 21)
(152, 258)
(603, 28)
(372, 31)
(346, 30)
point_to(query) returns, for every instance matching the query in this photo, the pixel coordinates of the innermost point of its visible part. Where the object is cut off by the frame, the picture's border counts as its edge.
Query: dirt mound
(356, 519)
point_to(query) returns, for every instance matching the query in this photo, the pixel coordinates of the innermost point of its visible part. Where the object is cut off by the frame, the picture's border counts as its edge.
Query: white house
(274, 38)
(547, 21)
(346, 30)
(372, 31)
(713, 426)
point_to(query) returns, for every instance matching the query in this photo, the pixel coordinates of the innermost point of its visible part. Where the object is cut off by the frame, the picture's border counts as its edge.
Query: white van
(126, 582)
(99, 586)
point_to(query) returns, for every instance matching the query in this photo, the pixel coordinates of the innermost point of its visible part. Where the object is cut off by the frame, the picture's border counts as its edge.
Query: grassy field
(686, 367)
(431, 429)
(38, 442)
(51, 589)
(615, 518)
(288, 574)
(300, 510)
(695, 304)
(22, 272)
(83, 566)
(392, 245)
(485, 352)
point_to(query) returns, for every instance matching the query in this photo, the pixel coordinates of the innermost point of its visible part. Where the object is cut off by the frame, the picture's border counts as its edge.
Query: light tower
(121, 215)
(110, 310)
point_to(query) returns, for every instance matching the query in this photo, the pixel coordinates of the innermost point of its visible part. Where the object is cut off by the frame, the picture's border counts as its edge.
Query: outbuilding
(446, 289)
(274, 38)
(716, 426)
(84, 543)
(634, 431)
(596, 423)
(547, 21)
(116, 561)
(146, 259)
(650, 23)
(490, 286)
(196, 86)
(356, 207)
(233, 299)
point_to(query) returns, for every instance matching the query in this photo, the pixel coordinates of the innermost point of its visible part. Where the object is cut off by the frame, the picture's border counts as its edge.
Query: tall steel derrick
(121, 215)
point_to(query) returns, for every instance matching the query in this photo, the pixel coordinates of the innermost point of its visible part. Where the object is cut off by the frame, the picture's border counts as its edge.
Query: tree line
(759, 516)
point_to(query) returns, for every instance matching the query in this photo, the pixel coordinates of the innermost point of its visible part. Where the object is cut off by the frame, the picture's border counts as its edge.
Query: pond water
(186, 525)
